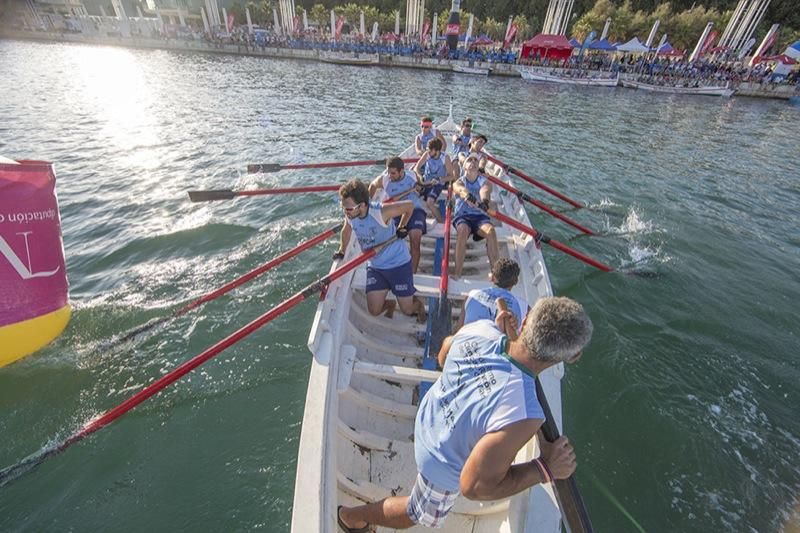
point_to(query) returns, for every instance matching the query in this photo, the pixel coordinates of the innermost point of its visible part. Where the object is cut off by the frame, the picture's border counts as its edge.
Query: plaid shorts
(428, 505)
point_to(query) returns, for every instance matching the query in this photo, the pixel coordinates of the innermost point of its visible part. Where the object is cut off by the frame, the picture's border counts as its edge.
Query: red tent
(552, 46)
(389, 36)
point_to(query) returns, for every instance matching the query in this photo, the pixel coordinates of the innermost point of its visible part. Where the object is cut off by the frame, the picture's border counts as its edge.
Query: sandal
(365, 529)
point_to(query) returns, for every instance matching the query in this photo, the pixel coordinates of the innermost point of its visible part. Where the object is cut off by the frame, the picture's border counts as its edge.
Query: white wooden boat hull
(349, 59)
(480, 71)
(356, 441)
(703, 91)
(543, 77)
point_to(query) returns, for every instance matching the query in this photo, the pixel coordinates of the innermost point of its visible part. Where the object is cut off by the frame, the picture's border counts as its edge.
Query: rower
(461, 140)
(482, 303)
(401, 184)
(434, 169)
(476, 145)
(390, 269)
(473, 192)
(427, 132)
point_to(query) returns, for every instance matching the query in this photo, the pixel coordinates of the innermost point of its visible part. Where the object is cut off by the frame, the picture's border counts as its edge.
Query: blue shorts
(474, 222)
(417, 221)
(433, 192)
(400, 280)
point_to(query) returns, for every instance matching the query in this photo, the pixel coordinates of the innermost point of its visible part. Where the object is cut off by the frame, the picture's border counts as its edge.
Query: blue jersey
(425, 137)
(462, 148)
(474, 188)
(481, 304)
(408, 181)
(372, 230)
(434, 168)
(481, 390)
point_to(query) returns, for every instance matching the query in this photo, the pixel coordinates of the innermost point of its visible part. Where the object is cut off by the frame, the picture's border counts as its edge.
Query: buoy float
(34, 295)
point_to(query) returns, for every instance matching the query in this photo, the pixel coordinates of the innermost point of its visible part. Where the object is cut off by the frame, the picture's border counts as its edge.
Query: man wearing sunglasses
(427, 132)
(390, 269)
(461, 140)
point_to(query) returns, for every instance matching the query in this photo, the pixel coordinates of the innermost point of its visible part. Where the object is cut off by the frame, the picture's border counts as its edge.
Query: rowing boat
(703, 90)
(537, 75)
(356, 443)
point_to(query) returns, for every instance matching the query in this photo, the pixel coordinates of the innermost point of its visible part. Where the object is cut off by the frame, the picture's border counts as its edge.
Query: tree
(319, 14)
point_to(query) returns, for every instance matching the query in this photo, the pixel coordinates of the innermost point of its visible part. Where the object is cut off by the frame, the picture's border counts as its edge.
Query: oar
(573, 510)
(443, 322)
(544, 207)
(275, 167)
(534, 182)
(12, 472)
(228, 194)
(569, 497)
(233, 284)
(541, 237)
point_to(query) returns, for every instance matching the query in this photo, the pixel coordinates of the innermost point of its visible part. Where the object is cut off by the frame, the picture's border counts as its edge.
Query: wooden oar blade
(263, 168)
(210, 196)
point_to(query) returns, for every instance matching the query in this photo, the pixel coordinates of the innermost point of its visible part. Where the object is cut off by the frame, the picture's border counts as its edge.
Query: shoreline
(747, 89)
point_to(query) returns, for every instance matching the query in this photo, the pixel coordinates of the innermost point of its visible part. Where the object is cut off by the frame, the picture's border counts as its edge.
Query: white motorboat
(539, 76)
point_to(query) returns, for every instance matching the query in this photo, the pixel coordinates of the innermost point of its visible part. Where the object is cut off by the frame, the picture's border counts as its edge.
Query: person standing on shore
(435, 170)
(373, 224)
(401, 184)
(427, 132)
(477, 416)
(473, 193)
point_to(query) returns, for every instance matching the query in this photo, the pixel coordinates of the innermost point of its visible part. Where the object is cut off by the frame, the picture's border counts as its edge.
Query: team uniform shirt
(481, 390)
(408, 181)
(372, 230)
(435, 168)
(481, 304)
(474, 188)
(462, 148)
(425, 137)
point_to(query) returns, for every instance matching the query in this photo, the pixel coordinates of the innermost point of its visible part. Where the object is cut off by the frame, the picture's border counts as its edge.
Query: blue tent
(575, 43)
(603, 45)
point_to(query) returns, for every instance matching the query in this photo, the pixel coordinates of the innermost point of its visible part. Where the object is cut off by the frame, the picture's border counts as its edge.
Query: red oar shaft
(274, 167)
(309, 188)
(448, 219)
(534, 182)
(547, 240)
(302, 247)
(541, 205)
(166, 380)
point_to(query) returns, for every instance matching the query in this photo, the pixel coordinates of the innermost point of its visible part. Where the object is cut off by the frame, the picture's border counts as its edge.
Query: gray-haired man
(479, 413)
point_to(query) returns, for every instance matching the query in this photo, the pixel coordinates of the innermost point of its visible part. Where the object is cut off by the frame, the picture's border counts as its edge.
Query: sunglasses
(426, 127)
(351, 209)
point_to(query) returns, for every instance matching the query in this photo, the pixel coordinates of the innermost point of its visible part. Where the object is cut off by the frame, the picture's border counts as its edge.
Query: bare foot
(389, 307)
(347, 524)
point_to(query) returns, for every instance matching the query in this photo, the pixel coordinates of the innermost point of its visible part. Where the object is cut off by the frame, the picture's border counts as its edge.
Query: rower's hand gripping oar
(13, 472)
(541, 205)
(229, 194)
(241, 280)
(275, 167)
(534, 182)
(570, 501)
(541, 237)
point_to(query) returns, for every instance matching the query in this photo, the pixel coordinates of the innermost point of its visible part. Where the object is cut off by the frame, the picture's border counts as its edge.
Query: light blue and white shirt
(474, 187)
(372, 230)
(481, 390)
(481, 304)
(408, 181)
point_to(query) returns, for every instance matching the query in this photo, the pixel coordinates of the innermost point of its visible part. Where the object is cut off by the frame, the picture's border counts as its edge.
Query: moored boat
(536, 75)
(480, 71)
(704, 90)
(368, 374)
(349, 59)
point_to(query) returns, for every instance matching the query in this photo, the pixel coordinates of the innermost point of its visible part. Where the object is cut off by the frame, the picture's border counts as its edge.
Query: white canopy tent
(633, 46)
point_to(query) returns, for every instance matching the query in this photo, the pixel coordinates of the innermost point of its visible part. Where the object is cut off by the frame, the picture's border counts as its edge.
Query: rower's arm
(418, 146)
(402, 209)
(442, 356)
(489, 474)
(450, 168)
(344, 237)
(441, 137)
(486, 191)
(420, 166)
(460, 190)
(375, 185)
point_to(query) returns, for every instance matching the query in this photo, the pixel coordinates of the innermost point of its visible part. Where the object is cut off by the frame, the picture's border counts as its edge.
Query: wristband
(547, 476)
